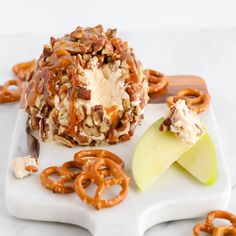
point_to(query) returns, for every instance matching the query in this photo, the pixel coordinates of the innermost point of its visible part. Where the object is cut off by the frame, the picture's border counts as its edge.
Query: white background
(57, 16)
(187, 37)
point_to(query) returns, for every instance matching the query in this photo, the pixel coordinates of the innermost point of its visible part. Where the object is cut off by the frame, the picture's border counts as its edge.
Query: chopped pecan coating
(60, 97)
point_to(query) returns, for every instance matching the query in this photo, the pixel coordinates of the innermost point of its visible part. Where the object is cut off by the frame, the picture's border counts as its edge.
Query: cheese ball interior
(88, 88)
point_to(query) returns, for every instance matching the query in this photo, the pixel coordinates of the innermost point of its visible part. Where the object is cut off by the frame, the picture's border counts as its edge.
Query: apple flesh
(154, 154)
(157, 151)
(200, 160)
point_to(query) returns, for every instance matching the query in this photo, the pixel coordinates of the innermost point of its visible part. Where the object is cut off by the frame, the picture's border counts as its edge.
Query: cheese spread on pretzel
(24, 166)
(183, 122)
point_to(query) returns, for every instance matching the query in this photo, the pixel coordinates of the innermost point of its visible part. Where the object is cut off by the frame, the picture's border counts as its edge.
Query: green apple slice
(154, 154)
(200, 160)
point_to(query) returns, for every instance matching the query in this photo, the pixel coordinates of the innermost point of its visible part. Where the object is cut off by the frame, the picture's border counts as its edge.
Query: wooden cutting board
(175, 195)
(177, 83)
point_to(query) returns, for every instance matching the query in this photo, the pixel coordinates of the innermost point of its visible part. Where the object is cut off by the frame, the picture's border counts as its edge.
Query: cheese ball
(88, 88)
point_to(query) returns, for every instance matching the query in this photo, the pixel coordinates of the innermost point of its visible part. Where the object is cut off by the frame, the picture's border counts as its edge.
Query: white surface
(175, 195)
(209, 53)
(27, 16)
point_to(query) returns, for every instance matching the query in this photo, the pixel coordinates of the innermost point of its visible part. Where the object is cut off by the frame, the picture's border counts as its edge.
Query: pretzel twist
(22, 70)
(100, 167)
(93, 174)
(156, 80)
(65, 175)
(7, 95)
(206, 228)
(209, 227)
(219, 214)
(196, 100)
(224, 230)
(90, 155)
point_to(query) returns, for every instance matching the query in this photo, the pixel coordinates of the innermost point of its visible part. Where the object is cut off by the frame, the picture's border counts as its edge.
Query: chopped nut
(126, 104)
(53, 117)
(34, 123)
(80, 114)
(98, 45)
(83, 93)
(78, 33)
(52, 41)
(43, 111)
(97, 114)
(63, 130)
(138, 110)
(64, 141)
(112, 136)
(90, 131)
(47, 50)
(108, 49)
(100, 59)
(131, 93)
(34, 111)
(65, 79)
(111, 33)
(105, 126)
(80, 60)
(43, 129)
(82, 140)
(63, 117)
(75, 47)
(89, 121)
(165, 125)
(124, 138)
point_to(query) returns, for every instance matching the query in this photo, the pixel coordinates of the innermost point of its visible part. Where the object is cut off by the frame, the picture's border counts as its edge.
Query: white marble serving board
(175, 195)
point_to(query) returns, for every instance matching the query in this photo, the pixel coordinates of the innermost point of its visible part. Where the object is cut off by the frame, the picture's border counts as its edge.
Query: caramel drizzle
(112, 112)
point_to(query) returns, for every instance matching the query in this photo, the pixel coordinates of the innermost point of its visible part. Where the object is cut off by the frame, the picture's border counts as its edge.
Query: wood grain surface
(177, 83)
